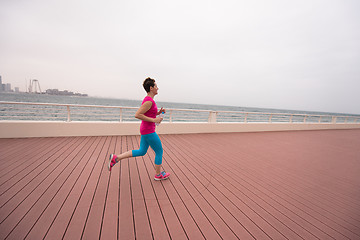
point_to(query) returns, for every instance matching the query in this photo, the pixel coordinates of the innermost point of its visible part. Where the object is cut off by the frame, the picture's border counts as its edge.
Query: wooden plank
(157, 215)
(126, 229)
(322, 220)
(141, 217)
(337, 223)
(254, 199)
(218, 215)
(6, 143)
(9, 149)
(54, 220)
(16, 168)
(15, 210)
(311, 207)
(290, 187)
(95, 216)
(274, 201)
(79, 219)
(15, 194)
(173, 224)
(110, 220)
(21, 173)
(61, 222)
(187, 155)
(156, 218)
(11, 144)
(197, 214)
(315, 176)
(43, 212)
(15, 190)
(241, 185)
(26, 145)
(247, 201)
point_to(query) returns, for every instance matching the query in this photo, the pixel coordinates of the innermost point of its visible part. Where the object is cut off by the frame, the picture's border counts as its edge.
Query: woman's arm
(140, 114)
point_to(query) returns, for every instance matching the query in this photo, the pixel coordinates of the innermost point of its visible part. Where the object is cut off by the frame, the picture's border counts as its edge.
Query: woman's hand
(158, 120)
(161, 110)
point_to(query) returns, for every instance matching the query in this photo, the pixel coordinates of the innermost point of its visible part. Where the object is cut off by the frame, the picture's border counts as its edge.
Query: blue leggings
(154, 142)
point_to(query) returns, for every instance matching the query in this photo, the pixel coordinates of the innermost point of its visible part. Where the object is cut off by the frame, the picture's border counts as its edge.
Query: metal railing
(24, 111)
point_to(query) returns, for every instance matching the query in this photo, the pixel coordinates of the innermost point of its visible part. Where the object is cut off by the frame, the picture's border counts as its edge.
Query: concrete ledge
(21, 129)
(26, 129)
(179, 128)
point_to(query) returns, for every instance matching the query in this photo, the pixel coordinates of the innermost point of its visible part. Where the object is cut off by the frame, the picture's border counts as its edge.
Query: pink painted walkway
(275, 185)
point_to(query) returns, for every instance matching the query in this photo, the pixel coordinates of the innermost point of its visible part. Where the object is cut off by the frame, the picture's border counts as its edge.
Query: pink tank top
(149, 127)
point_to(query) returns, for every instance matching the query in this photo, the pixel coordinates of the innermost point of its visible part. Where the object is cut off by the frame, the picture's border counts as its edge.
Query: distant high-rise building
(8, 87)
(17, 90)
(2, 86)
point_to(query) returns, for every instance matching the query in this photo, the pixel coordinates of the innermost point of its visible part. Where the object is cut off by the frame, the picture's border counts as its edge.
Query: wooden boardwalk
(275, 185)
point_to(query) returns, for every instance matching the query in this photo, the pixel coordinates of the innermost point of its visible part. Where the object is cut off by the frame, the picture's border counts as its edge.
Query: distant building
(2, 86)
(8, 87)
(63, 93)
(52, 91)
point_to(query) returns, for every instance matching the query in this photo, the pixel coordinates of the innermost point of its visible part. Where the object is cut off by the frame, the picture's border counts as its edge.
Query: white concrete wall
(24, 129)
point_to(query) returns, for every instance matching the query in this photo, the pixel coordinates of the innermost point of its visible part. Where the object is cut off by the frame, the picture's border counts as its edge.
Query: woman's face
(154, 89)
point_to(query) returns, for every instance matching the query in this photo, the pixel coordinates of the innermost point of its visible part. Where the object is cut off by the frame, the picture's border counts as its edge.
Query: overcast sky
(300, 55)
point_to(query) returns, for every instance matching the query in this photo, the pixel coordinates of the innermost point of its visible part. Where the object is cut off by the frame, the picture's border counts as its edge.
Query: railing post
(212, 117)
(305, 118)
(346, 119)
(246, 115)
(320, 119)
(68, 113)
(270, 118)
(334, 119)
(291, 118)
(121, 116)
(170, 120)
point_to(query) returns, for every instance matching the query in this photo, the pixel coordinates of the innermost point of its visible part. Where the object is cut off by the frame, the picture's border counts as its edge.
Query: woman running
(147, 113)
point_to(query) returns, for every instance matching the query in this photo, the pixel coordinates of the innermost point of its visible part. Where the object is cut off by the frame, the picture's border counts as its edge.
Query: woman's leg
(157, 169)
(144, 146)
(155, 144)
(124, 155)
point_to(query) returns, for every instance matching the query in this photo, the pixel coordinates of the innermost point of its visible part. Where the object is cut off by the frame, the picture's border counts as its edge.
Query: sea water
(44, 98)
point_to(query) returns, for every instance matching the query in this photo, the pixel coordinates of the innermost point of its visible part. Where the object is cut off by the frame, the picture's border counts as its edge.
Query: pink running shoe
(162, 176)
(112, 161)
